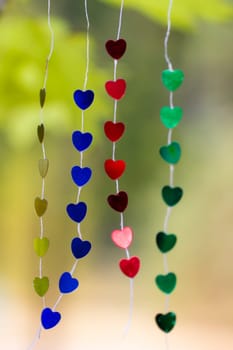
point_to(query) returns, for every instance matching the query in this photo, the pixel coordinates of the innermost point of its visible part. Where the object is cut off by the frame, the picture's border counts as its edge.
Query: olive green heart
(166, 283)
(40, 206)
(43, 167)
(171, 153)
(171, 195)
(171, 117)
(166, 322)
(41, 285)
(42, 97)
(40, 132)
(172, 79)
(41, 246)
(165, 242)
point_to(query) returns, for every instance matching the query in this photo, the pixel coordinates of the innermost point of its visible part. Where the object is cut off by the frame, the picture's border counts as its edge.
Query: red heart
(114, 168)
(130, 267)
(116, 89)
(116, 49)
(114, 131)
(122, 238)
(118, 201)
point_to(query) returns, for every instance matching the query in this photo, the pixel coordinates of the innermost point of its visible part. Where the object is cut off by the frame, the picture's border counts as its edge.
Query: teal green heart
(165, 242)
(171, 195)
(41, 285)
(41, 246)
(166, 283)
(166, 322)
(172, 79)
(171, 117)
(171, 153)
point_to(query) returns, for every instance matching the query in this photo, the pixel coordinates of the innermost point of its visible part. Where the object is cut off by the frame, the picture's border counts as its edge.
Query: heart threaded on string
(114, 131)
(171, 195)
(67, 283)
(172, 79)
(81, 141)
(80, 248)
(50, 318)
(116, 48)
(114, 168)
(165, 242)
(122, 238)
(116, 89)
(77, 212)
(166, 322)
(130, 267)
(166, 283)
(119, 201)
(83, 99)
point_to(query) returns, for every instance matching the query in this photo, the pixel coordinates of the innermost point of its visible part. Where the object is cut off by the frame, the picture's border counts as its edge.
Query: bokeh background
(94, 316)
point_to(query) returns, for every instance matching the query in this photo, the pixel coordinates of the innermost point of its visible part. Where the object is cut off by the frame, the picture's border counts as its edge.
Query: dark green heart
(166, 322)
(171, 117)
(165, 242)
(171, 153)
(172, 79)
(171, 195)
(42, 97)
(40, 206)
(41, 285)
(40, 132)
(166, 283)
(41, 246)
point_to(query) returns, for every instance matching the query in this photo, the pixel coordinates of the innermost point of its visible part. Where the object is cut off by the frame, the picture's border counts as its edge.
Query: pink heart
(123, 238)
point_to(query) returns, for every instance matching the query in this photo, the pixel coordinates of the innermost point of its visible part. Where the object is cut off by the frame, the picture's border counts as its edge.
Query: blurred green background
(94, 316)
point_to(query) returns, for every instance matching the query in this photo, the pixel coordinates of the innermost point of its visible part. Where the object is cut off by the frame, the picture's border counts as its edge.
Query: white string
(170, 67)
(131, 301)
(36, 339)
(120, 20)
(87, 46)
(51, 45)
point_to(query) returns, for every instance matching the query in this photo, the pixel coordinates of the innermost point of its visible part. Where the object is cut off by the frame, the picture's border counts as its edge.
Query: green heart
(41, 285)
(171, 153)
(40, 206)
(42, 97)
(166, 283)
(171, 117)
(172, 79)
(165, 242)
(40, 132)
(43, 167)
(41, 246)
(171, 195)
(166, 322)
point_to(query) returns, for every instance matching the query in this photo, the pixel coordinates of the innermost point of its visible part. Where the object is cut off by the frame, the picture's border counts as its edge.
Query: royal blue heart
(49, 318)
(81, 141)
(67, 283)
(77, 212)
(80, 248)
(80, 176)
(83, 99)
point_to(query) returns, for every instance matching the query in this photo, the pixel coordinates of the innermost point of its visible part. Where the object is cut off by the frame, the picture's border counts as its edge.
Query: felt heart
(77, 212)
(171, 117)
(114, 168)
(83, 99)
(165, 242)
(41, 246)
(118, 201)
(171, 153)
(81, 141)
(81, 176)
(166, 322)
(114, 131)
(171, 195)
(130, 267)
(166, 283)
(123, 238)
(40, 132)
(67, 283)
(80, 248)
(43, 167)
(41, 285)
(42, 97)
(116, 89)
(40, 206)
(49, 318)
(172, 79)
(116, 49)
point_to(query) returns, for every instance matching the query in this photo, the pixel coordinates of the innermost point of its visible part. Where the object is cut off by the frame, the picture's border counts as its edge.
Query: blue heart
(49, 318)
(67, 283)
(77, 212)
(80, 248)
(80, 176)
(81, 141)
(83, 99)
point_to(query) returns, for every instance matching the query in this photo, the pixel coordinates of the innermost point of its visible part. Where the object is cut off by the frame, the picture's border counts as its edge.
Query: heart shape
(80, 248)
(114, 131)
(165, 242)
(166, 283)
(83, 99)
(67, 283)
(40, 132)
(171, 195)
(171, 153)
(41, 285)
(118, 201)
(166, 322)
(42, 97)
(122, 238)
(41, 246)
(114, 168)
(130, 267)
(81, 141)
(171, 117)
(116, 89)
(40, 206)
(49, 318)
(77, 212)
(172, 79)
(43, 166)
(116, 48)
(81, 176)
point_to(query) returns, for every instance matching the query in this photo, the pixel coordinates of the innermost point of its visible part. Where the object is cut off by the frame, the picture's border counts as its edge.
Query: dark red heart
(114, 168)
(116, 49)
(116, 89)
(114, 131)
(130, 267)
(118, 201)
